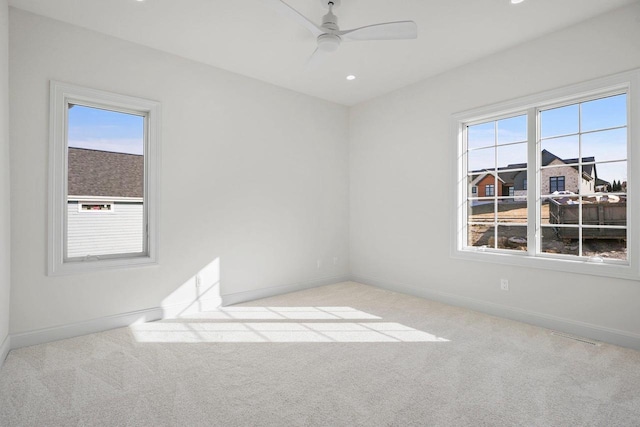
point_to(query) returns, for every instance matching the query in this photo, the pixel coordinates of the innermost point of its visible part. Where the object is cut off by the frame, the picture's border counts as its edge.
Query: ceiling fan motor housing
(328, 42)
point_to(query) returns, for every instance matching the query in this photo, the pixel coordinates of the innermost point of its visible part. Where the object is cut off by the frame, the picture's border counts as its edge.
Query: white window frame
(62, 94)
(630, 269)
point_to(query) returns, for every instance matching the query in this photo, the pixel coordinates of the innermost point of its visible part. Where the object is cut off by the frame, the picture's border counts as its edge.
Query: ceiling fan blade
(317, 58)
(388, 31)
(287, 10)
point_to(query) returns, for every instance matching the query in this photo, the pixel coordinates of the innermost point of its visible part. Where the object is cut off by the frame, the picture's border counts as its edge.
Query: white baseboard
(55, 333)
(204, 304)
(582, 329)
(4, 349)
(238, 297)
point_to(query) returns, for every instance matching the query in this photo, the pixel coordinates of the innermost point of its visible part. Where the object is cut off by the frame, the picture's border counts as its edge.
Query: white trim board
(239, 297)
(582, 329)
(4, 349)
(41, 336)
(105, 323)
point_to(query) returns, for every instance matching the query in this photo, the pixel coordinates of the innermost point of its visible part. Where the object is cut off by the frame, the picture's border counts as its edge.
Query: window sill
(89, 266)
(588, 267)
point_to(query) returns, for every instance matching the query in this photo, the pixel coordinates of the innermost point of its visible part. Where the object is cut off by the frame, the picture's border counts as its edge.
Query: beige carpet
(339, 355)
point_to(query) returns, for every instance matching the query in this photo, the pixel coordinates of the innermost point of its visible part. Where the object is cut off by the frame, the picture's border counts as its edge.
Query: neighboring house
(513, 182)
(567, 178)
(602, 186)
(509, 183)
(105, 212)
(484, 185)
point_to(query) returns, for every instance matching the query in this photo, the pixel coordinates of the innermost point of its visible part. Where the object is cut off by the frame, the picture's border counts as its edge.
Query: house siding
(489, 180)
(102, 233)
(571, 180)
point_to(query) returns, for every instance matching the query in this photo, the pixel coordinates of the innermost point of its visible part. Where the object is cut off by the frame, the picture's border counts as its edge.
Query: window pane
(560, 150)
(556, 240)
(512, 211)
(560, 210)
(481, 235)
(513, 129)
(482, 211)
(482, 135)
(512, 156)
(604, 113)
(607, 209)
(472, 186)
(512, 237)
(604, 243)
(559, 121)
(482, 185)
(105, 165)
(605, 145)
(565, 180)
(612, 177)
(483, 159)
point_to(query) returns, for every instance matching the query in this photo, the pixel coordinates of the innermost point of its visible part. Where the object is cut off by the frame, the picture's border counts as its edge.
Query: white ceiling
(250, 38)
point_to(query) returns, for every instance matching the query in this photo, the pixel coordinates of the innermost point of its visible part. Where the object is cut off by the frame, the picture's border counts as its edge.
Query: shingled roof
(548, 157)
(105, 174)
(507, 173)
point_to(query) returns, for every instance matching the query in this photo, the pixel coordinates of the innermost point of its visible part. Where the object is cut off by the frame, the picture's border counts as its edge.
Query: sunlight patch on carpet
(330, 324)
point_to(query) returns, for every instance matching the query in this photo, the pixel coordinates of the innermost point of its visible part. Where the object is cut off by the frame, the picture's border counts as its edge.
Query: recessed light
(516, 1)
(351, 77)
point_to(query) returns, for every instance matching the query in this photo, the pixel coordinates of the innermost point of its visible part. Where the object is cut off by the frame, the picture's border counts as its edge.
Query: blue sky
(559, 128)
(105, 130)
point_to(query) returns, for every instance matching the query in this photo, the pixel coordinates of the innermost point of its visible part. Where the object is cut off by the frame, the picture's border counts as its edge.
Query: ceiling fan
(329, 36)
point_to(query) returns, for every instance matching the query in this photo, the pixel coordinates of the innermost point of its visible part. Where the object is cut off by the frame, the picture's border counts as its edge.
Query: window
(102, 180)
(556, 183)
(561, 160)
(474, 190)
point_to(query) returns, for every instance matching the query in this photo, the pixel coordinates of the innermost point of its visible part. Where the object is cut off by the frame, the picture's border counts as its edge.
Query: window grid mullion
(580, 200)
(495, 184)
(533, 210)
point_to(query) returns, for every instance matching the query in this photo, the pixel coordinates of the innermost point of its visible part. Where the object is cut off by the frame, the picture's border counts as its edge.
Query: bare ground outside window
(553, 242)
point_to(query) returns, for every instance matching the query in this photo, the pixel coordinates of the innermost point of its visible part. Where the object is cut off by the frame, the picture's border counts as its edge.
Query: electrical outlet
(197, 280)
(504, 284)
(319, 263)
(335, 260)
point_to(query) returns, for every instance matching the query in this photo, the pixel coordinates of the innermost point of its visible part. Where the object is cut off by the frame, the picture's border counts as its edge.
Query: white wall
(401, 190)
(254, 178)
(4, 176)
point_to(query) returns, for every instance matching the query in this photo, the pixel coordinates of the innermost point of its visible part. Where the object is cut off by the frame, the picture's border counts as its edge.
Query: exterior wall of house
(587, 186)
(489, 180)
(572, 181)
(518, 182)
(105, 232)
